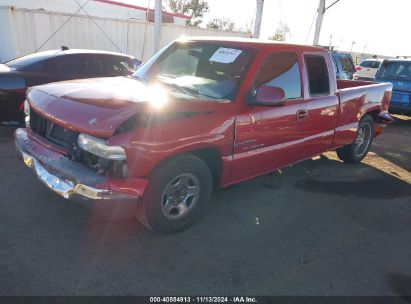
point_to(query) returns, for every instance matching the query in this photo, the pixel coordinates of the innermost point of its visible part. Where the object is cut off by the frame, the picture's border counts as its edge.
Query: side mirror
(269, 96)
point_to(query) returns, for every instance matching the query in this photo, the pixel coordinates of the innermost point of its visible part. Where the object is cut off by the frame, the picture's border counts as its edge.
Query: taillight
(358, 68)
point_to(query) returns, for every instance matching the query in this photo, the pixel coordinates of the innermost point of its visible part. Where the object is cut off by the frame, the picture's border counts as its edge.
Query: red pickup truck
(200, 114)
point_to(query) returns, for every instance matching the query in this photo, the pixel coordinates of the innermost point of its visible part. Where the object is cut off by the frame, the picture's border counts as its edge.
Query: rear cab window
(374, 64)
(317, 73)
(280, 70)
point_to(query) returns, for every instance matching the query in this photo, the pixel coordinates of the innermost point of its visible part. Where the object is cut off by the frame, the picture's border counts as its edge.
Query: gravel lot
(318, 228)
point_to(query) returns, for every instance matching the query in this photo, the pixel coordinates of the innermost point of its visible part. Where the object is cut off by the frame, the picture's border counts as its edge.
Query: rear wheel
(177, 195)
(358, 149)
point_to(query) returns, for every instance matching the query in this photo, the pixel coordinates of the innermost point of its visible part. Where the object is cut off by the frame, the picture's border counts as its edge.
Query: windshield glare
(397, 70)
(203, 70)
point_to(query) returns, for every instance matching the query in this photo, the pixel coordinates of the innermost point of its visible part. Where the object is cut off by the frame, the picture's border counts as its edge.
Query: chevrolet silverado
(202, 113)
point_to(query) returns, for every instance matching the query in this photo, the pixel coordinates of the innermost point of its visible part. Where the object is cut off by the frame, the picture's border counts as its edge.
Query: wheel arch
(211, 157)
(373, 113)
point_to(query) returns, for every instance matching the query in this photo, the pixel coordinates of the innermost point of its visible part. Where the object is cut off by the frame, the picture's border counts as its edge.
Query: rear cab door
(321, 103)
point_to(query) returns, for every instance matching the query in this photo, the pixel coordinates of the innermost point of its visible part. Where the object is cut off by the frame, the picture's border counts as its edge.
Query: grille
(54, 133)
(67, 139)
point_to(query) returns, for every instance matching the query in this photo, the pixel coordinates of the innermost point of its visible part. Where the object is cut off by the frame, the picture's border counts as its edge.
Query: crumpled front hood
(99, 106)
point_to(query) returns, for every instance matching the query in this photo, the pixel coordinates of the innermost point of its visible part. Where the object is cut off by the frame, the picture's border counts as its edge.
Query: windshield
(198, 69)
(397, 70)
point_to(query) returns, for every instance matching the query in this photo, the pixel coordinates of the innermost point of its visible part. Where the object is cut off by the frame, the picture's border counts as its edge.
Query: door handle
(301, 114)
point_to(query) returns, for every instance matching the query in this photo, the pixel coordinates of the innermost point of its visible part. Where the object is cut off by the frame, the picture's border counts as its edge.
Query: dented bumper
(71, 179)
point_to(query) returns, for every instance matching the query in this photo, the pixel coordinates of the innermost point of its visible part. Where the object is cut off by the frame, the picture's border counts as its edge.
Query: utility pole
(157, 25)
(320, 15)
(258, 17)
(352, 44)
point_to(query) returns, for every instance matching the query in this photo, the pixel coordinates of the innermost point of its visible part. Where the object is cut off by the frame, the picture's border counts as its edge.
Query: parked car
(56, 65)
(343, 64)
(201, 113)
(397, 72)
(367, 69)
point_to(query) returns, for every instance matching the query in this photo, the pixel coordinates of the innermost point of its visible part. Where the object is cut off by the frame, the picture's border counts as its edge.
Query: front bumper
(68, 178)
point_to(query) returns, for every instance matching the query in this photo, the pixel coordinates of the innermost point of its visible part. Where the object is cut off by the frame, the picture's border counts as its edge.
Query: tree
(281, 32)
(193, 8)
(221, 24)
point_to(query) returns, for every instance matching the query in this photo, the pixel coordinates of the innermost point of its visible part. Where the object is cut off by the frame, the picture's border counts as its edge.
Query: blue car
(398, 72)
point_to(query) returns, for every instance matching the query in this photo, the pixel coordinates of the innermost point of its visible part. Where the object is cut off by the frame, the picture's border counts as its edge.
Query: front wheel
(177, 194)
(358, 149)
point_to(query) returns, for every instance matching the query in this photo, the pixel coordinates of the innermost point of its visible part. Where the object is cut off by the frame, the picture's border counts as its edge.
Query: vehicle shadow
(6, 133)
(395, 143)
(361, 181)
(326, 174)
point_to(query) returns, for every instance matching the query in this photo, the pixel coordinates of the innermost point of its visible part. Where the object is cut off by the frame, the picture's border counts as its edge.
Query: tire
(177, 195)
(358, 149)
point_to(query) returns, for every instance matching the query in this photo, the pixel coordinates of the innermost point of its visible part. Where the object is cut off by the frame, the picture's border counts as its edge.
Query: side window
(346, 64)
(370, 64)
(282, 71)
(81, 66)
(67, 69)
(365, 64)
(319, 81)
(116, 66)
(90, 66)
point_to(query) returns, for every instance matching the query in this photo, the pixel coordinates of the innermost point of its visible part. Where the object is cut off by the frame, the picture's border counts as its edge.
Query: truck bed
(357, 97)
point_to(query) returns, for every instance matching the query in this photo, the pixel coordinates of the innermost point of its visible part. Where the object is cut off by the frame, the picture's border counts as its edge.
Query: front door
(270, 137)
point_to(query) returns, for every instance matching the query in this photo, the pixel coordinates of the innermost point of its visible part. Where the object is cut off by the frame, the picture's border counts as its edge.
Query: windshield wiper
(185, 90)
(176, 86)
(197, 92)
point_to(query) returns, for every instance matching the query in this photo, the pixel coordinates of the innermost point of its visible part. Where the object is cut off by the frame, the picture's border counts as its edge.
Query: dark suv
(55, 65)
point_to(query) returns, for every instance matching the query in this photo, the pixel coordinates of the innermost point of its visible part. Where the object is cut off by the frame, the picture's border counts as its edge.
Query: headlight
(26, 108)
(100, 148)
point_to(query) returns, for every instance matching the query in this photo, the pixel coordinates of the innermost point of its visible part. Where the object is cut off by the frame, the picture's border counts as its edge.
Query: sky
(372, 26)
